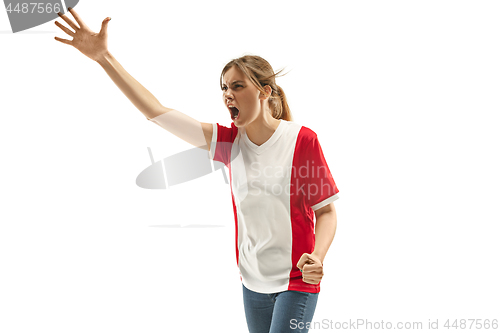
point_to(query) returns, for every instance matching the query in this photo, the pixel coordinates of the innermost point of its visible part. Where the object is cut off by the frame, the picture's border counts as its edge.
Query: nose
(227, 94)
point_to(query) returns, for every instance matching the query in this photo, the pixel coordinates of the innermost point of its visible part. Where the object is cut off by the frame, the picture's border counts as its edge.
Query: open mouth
(235, 113)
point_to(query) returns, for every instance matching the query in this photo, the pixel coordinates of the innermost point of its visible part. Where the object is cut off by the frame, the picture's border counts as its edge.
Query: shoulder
(224, 133)
(304, 133)
(306, 136)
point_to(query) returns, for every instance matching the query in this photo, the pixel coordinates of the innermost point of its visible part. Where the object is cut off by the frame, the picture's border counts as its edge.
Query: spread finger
(68, 20)
(66, 30)
(77, 17)
(65, 41)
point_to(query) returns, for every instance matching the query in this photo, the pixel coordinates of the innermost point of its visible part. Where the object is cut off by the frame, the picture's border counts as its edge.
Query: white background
(402, 94)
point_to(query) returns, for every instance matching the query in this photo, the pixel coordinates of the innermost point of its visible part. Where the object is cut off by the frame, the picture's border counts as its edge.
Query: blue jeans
(286, 311)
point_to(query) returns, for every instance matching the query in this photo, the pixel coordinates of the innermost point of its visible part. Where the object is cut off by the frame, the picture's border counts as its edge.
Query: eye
(236, 86)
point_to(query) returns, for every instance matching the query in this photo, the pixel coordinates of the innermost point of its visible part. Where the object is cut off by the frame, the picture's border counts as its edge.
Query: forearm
(136, 93)
(326, 225)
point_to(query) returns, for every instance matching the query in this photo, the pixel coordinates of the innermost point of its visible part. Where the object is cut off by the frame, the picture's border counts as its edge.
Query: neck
(262, 128)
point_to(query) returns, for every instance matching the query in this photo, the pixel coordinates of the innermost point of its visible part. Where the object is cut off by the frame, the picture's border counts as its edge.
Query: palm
(92, 44)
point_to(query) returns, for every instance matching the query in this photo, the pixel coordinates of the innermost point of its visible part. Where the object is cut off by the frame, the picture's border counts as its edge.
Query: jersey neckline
(274, 137)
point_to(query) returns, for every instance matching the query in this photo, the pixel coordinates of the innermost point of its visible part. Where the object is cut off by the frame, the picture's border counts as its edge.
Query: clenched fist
(311, 267)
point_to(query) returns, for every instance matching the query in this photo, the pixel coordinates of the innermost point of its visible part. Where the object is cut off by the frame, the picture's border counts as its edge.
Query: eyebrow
(236, 81)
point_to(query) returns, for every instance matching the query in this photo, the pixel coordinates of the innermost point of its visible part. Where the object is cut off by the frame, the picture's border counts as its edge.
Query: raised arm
(94, 45)
(188, 129)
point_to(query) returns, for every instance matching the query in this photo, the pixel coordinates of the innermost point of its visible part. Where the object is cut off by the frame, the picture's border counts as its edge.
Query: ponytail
(282, 110)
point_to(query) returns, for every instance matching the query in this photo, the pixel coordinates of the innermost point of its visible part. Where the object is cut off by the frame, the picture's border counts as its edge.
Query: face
(239, 91)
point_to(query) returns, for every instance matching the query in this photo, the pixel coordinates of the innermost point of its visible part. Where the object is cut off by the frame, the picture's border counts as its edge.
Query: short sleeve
(222, 142)
(316, 179)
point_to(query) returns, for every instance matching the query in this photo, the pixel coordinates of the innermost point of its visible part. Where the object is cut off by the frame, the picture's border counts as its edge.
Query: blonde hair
(260, 72)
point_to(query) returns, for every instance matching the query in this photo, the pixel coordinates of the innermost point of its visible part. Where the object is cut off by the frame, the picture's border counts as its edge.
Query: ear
(268, 91)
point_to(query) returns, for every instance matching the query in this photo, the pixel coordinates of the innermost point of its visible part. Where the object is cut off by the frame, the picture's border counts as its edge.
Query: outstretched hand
(93, 45)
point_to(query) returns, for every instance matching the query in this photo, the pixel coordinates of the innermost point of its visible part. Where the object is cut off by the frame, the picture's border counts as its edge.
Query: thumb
(104, 26)
(302, 261)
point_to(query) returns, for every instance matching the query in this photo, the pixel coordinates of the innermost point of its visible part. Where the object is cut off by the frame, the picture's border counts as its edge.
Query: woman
(279, 177)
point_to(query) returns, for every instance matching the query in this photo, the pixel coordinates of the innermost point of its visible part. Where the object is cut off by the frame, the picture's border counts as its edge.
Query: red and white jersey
(275, 188)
